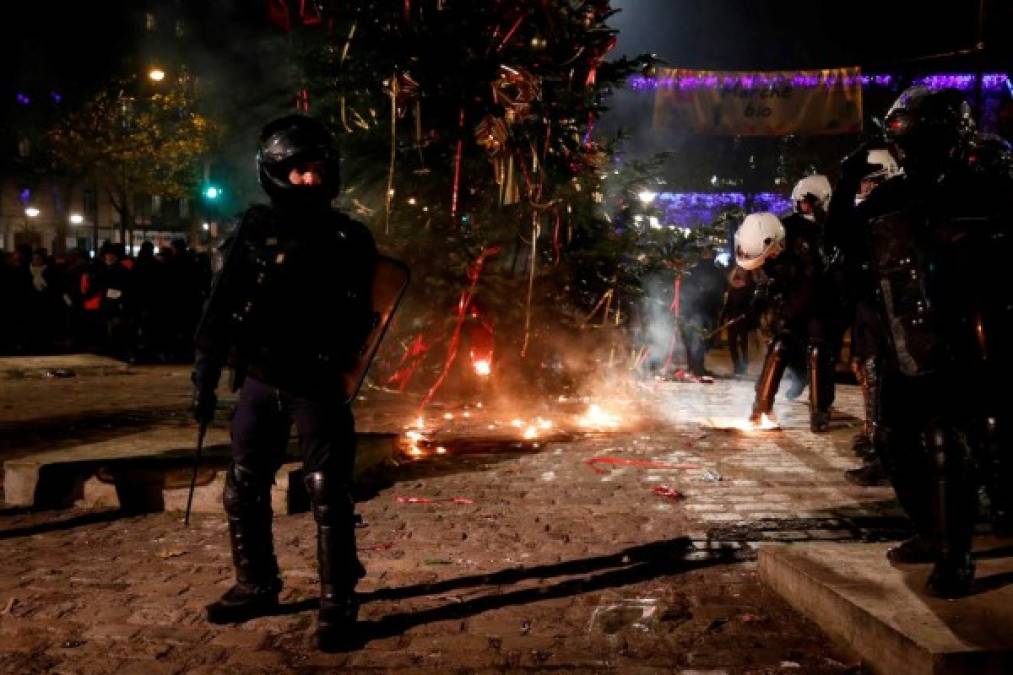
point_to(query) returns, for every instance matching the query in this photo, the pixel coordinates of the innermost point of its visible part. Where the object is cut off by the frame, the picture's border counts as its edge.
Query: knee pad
(331, 499)
(245, 490)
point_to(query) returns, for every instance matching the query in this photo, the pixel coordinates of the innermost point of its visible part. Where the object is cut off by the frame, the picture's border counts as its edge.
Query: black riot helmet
(294, 142)
(929, 127)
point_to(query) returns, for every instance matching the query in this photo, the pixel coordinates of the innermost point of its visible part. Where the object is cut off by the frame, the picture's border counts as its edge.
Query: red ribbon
(410, 362)
(636, 463)
(456, 190)
(474, 272)
(676, 308)
(510, 33)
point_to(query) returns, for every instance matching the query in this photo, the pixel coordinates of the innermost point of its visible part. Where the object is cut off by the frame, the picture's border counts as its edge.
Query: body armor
(293, 303)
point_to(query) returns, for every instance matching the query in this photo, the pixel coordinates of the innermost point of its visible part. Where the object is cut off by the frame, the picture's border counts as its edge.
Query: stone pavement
(571, 554)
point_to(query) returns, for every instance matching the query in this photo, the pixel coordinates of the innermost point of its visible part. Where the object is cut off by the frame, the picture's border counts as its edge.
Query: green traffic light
(213, 192)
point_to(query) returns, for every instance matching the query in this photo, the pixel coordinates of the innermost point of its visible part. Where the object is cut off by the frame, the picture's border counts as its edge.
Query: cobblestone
(519, 579)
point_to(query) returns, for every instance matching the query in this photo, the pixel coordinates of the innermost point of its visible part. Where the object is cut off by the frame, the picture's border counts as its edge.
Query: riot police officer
(924, 249)
(291, 310)
(787, 264)
(866, 332)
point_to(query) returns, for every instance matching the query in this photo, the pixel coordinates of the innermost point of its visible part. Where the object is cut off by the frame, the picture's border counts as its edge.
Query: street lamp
(76, 219)
(156, 74)
(646, 197)
(32, 212)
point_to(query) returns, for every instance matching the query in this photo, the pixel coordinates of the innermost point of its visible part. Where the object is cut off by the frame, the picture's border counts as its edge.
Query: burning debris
(766, 423)
(597, 418)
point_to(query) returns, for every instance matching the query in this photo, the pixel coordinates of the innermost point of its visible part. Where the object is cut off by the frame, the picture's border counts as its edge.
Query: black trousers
(928, 423)
(263, 421)
(738, 346)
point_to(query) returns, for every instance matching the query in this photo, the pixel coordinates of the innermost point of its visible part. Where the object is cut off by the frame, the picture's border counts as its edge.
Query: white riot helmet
(760, 236)
(887, 169)
(815, 188)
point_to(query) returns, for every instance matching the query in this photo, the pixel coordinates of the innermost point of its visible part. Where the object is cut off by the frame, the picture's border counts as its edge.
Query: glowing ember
(466, 414)
(597, 417)
(413, 436)
(531, 432)
(766, 423)
(415, 451)
(517, 423)
(441, 450)
(483, 368)
(448, 416)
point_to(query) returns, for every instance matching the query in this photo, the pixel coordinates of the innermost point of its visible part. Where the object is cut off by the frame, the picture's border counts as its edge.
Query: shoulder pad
(356, 231)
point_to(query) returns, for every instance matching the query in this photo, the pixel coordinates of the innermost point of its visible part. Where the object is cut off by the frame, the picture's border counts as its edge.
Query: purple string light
(991, 82)
(688, 209)
(22, 98)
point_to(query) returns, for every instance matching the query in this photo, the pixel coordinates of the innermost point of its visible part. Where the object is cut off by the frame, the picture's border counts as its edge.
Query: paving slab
(150, 471)
(882, 613)
(59, 365)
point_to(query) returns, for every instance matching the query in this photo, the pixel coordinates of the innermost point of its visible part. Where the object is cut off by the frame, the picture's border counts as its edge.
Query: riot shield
(390, 280)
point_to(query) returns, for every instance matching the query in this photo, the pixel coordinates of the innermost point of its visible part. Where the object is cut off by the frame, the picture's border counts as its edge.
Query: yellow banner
(768, 103)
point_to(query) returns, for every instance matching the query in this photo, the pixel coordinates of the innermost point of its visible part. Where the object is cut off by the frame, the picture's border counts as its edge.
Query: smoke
(658, 329)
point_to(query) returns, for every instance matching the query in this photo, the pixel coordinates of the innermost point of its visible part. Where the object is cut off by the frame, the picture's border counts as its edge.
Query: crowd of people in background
(141, 308)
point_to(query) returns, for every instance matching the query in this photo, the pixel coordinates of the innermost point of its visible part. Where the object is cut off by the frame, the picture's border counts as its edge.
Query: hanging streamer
(474, 272)
(535, 230)
(676, 309)
(456, 188)
(393, 152)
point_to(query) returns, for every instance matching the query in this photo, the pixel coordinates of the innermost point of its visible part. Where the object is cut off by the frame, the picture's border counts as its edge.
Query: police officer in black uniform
(924, 249)
(291, 310)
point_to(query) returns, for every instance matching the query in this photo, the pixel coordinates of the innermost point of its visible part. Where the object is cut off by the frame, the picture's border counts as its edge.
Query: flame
(765, 423)
(531, 432)
(441, 450)
(517, 423)
(420, 422)
(483, 368)
(597, 417)
(448, 416)
(544, 424)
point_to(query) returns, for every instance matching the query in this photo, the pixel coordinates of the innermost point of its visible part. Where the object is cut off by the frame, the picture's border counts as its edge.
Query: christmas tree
(467, 134)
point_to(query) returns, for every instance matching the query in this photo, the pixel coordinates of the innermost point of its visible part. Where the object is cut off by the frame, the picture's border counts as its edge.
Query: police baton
(193, 476)
(726, 324)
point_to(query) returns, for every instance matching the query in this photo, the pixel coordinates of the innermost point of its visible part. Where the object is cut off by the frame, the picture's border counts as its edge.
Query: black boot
(953, 510)
(821, 385)
(819, 421)
(340, 569)
(247, 499)
(862, 446)
(870, 474)
(951, 578)
(911, 551)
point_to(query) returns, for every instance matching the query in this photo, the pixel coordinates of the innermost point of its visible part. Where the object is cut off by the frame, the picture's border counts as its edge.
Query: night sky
(774, 34)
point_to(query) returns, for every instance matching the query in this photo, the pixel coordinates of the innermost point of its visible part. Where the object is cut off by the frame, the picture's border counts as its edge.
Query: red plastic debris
(666, 491)
(637, 463)
(385, 546)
